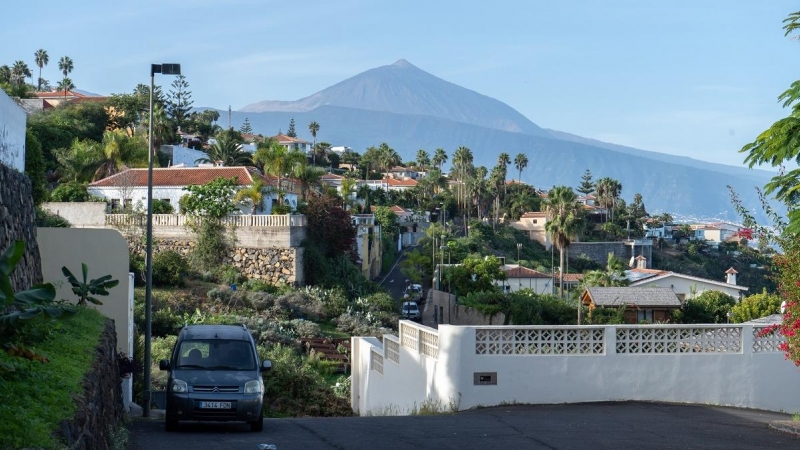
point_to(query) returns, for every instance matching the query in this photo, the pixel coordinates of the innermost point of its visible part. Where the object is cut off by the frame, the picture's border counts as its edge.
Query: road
(626, 425)
(394, 281)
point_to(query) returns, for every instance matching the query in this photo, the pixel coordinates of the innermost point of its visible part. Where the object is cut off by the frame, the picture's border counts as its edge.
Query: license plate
(215, 405)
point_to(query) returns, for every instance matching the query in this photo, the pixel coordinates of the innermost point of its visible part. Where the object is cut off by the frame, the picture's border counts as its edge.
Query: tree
(587, 186)
(708, 307)
(246, 128)
(439, 158)
(346, 190)
(225, 151)
(65, 65)
(561, 207)
(313, 128)
(42, 59)
(608, 192)
(179, 101)
(330, 228)
(308, 176)
(35, 167)
(414, 266)
(291, 132)
(79, 161)
(118, 152)
(423, 159)
(252, 196)
(213, 200)
(5, 74)
(322, 150)
(20, 71)
(520, 162)
(388, 221)
(614, 275)
(277, 160)
(756, 306)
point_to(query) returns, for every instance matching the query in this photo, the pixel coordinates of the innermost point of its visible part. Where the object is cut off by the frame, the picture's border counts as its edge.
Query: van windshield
(215, 354)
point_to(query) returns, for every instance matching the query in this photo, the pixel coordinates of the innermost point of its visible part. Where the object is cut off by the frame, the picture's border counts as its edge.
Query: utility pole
(230, 126)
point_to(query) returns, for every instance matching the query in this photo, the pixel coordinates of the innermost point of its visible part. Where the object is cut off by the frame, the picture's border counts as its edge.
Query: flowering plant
(788, 266)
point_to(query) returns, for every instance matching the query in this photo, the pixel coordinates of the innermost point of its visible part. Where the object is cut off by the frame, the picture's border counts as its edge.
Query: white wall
(186, 156)
(538, 285)
(79, 214)
(684, 286)
(730, 366)
(12, 133)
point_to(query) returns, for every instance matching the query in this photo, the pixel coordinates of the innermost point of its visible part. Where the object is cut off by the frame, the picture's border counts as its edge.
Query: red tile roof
(284, 139)
(524, 272)
(393, 182)
(573, 277)
(180, 176)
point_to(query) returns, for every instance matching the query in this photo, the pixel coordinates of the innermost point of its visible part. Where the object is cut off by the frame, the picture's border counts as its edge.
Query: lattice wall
(538, 341)
(392, 350)
(766, 343)
(376, 361)
(641, 340)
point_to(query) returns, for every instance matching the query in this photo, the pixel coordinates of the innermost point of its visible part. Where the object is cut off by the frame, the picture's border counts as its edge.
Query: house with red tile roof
(129, 188)
(292, 143)
(534, 224)
(685, 286)
(520, 277)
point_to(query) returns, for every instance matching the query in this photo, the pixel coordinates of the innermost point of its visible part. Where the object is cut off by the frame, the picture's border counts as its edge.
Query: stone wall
(18, 222)
(99, 410)
(274, 265)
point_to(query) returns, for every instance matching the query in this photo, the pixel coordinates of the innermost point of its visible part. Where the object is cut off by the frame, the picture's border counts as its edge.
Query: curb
(787, 426)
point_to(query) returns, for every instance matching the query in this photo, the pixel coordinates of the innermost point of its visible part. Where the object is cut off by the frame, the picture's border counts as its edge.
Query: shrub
(46, 219)
(708, 307)
(210, 247)
(302, 305)
(71, 192)
(305, 328)
(229, 274)
(222, 294)
(281, 209)
(756, 306)
(169, 269)
(162, 207)
(259, 286)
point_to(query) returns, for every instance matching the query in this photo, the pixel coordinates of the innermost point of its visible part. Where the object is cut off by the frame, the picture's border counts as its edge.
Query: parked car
(410, 310)
(413, 292)
(214, 374)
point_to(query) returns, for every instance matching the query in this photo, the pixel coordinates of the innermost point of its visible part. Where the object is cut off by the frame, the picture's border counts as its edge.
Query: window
(644, 314)
(114, 204)
(535, 221)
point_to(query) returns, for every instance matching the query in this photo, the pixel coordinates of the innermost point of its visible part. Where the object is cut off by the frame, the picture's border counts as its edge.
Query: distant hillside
(665, 186)
(403, 88)
(411, 109)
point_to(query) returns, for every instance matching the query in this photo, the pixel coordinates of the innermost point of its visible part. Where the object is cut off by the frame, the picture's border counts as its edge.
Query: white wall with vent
(709, 364)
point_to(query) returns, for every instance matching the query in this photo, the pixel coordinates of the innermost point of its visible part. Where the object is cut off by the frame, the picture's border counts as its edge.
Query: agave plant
(87, 290)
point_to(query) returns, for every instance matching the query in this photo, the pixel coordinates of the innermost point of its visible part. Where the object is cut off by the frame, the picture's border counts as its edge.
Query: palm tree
(608, 191)
(364, 192)
(20, 71)
(42, 58)
(65, 65)
(561, 207)
(119, 151)
(462, 165)
(439, 158)
(423, 159)
(252, 195)
(313, 127)
(348, 185)
(520, 162)
(226, 151)
(614, 275)
(308, 176)
(5, 74)
(79, 161)
(278, 161)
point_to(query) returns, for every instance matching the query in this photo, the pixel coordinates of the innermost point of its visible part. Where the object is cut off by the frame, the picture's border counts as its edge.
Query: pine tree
(246, 128)
(587, 186)
(291, 132)
(179, 102)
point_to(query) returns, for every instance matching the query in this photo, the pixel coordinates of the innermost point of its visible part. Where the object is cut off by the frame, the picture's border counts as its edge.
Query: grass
(39, 396)
(330, 330)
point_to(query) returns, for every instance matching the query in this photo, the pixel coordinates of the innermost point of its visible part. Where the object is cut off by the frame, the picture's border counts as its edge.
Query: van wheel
(258, 425)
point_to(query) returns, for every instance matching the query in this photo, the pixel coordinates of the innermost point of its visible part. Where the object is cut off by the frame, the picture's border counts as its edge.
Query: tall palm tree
(462, 165)
(20, 71)
(226, 151)
(348, 185)
(5, 74)
(252, 195)
(520, 162)
(308, 176)
(423, 159)
(562, 210)
(439, 158)
(79, 161)
(65, 65)
(278, 161)
(120, 151)
(313, 127)
(66, 85)
(42, 59)
(608, 192)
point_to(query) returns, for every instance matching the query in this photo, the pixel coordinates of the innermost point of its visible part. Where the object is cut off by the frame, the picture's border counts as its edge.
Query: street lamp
(166, 69)
(519, 247)
(441, 261)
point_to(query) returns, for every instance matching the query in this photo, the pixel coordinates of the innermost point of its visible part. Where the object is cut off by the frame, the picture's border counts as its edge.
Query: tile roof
(284, 139)
(637, 274)
(689, 277)
(573, 277)
(179, 176)
(524, 272)
(393, 182)
(632, 296)
(533, 214)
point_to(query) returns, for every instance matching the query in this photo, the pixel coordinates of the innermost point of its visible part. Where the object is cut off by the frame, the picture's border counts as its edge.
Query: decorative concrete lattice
(767, 343)
(536, 341)
(430, 344)
(392, 350)
(408, 337)
(376, 361)
(640, 340)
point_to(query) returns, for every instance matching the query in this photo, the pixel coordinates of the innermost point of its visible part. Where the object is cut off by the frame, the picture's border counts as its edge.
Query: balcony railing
(179, 220)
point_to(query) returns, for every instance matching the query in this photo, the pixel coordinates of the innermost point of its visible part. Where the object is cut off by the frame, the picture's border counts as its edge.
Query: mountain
(403, 88)
(411, 109)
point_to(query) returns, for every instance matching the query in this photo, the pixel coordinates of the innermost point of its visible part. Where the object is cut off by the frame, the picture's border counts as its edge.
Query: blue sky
(691, 78)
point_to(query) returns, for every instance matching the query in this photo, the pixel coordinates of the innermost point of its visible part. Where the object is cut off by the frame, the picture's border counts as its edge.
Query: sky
(684, 77)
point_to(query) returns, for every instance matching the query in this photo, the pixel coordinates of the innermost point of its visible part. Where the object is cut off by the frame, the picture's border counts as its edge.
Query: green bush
(47, 219)
(40, 397)
(756, 306)
(71, 192)
(708, 307)
(162, 207)
(228, 274)
(169, 269)
(260, 286)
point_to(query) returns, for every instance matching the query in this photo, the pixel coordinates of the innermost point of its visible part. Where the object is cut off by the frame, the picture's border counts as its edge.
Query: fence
(180, 220)
(724, 364)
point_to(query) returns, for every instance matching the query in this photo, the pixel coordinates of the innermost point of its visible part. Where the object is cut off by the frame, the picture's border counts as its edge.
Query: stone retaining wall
(272, 264)
(18, 222)
(99, 410)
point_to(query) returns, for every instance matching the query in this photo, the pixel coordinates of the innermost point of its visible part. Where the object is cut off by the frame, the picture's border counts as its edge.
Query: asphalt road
(627, 425)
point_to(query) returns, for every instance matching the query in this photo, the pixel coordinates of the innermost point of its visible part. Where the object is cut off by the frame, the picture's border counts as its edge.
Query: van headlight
(179, 386)
(254, 387)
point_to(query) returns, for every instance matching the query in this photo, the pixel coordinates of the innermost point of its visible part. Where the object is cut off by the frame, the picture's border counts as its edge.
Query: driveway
(627, 425)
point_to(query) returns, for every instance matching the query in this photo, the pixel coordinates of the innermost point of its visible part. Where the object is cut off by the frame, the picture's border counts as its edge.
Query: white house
(534, 223)
(519, 277)
(181, 155)
(130, 187)
(12, 133)
(686, 286)
(293, 143)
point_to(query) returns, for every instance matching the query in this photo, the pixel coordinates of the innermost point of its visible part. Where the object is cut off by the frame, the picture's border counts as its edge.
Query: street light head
(165, 69)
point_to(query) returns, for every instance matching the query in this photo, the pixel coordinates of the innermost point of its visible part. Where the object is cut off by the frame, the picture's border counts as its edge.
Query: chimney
(641, 262)
(730, 276)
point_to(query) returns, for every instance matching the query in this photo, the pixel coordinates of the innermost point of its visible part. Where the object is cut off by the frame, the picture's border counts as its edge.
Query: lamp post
(166, 69)
(519, 247)
(441, 261)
